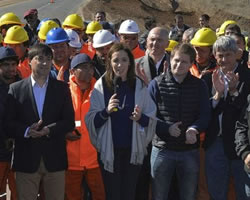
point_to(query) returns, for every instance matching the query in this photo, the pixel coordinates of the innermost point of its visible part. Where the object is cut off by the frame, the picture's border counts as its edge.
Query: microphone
(116, 82)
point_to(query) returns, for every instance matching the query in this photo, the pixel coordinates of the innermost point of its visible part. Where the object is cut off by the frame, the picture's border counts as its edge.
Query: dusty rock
(218, 10)
(159, 5)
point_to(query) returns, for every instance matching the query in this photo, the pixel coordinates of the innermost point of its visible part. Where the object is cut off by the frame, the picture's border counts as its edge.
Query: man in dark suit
(229, 87)
(40, 113)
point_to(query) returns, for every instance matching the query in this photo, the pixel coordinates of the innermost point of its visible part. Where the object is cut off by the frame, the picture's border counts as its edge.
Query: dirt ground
(134, 9)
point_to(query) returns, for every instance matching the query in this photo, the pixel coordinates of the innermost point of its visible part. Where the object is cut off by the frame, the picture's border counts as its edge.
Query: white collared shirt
(39, 94)
(157, 65)
(226, 90)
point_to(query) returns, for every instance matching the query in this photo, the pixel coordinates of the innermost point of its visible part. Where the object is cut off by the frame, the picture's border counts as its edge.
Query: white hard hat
(102, 38)
(74, 39)
(129, 27)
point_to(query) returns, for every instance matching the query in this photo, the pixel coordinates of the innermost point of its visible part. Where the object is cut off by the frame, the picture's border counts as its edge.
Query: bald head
(157, 41)
(160, 31)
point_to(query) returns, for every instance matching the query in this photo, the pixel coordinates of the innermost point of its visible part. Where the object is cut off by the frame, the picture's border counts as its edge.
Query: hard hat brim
(128, 32)
(75, 45)
(102, 45)
(91, 32)
(10, 22)
(72, 26)
(198, 44)
(6, 41)
(41, 36)
(56, 42)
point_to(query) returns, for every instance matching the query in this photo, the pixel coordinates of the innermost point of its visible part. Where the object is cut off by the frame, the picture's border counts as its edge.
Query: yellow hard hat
(74, 21)
(45, 28)
(171, 45)
(224, 25)
(204, 37)
(93, 27)
(16, 35)
(9, 18)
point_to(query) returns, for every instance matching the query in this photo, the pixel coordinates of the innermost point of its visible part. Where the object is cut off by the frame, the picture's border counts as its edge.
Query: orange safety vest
(61, 71)
(195, 72)
(138, 52)
(88, 49)
(24, 68)
(81, 153)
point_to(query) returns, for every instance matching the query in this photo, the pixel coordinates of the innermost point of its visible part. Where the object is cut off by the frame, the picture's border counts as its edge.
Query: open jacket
(102, 138)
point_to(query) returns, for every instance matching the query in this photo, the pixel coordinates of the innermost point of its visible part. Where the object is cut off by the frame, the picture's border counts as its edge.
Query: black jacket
(58, 116)
(100, 67)
(231, 107)
(242, 135)
(187, 102)
(5, 154)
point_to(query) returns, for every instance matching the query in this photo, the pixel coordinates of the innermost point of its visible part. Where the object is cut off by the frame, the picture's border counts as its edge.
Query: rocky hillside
(218, 10)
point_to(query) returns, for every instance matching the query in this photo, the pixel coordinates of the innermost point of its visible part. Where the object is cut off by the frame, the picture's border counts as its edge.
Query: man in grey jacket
(148, 67)
(153, 63)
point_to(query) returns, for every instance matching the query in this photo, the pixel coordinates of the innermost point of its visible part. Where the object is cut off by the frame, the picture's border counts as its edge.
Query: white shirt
(159, 63)
(39, 94)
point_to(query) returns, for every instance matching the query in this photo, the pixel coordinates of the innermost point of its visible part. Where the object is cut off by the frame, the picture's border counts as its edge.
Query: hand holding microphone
(113, 104)
(114, 101)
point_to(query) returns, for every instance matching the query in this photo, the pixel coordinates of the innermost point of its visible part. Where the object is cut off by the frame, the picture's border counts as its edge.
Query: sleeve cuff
(104, 115)
(144, 120)
(26, 132)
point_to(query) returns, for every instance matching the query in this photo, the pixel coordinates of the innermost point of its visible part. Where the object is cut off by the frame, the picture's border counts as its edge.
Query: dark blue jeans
(218, 171)
(164, 163)
(121, 184)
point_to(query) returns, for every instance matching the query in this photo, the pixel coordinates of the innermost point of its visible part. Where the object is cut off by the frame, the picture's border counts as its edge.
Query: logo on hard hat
(129, 27)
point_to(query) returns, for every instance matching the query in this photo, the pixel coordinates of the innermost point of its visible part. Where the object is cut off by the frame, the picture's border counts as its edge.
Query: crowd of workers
(95, 110)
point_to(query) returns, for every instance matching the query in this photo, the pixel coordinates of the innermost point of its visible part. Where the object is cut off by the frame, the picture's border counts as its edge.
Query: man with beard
(8, 75)
(102, 42)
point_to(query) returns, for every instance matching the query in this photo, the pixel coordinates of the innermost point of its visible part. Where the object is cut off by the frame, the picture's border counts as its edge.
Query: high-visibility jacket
(24, 68)
(61, 72)
(81, 153)
(138, 52)
(195, 72)
(88, 49)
